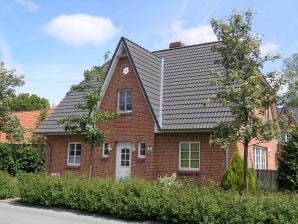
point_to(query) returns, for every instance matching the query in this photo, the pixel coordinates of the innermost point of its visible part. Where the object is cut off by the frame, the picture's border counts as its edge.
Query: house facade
(163, 126)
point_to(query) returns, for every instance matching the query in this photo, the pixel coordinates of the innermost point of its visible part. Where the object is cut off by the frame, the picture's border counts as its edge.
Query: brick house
(29, 120)
(163, 127)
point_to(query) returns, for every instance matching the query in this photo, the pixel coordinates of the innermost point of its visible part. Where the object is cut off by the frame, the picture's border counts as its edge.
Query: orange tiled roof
(28, 120)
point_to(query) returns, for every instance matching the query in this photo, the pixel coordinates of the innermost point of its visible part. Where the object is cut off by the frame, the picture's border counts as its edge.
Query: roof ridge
(151, 52)
(187, 46)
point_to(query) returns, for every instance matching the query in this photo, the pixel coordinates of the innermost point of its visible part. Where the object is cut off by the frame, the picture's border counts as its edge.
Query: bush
(234, 175)
(8, 186)
(17, 158)
(288, 164)
(141, 200)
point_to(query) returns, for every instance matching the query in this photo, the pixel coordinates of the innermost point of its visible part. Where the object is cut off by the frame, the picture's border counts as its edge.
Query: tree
(9, 124)
(27, 102)
(288, 164)
(290, 70)
(85, 125)
(241, 86)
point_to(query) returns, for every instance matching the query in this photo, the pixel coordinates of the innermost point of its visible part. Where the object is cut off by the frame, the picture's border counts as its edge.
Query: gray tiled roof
(147, 66)
(186, 85)
(294, 113)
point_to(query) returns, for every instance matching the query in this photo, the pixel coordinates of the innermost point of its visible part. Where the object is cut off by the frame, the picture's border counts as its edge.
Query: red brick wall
(136, 126)
(271, 148)
(212, 159)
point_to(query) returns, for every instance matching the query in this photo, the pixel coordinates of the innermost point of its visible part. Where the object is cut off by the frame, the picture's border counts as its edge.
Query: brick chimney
(177, 44)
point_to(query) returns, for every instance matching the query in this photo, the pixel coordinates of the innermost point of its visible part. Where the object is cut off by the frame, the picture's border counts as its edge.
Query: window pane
(71, 152)
(195, 164)
(78, 147)
(184, 146)
(77, 160)
(142, 152)
(195, 155)
(195, 147)
(184, 163)
(184, 155)
(71, 159)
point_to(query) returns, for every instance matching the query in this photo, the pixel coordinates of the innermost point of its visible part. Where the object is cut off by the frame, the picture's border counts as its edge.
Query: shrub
(233, 178)
(288, 164)
(142, 200)
(8, 186)
(17, 158)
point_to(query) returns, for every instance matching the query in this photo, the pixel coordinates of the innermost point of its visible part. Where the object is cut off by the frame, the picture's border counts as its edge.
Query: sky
(52, 42)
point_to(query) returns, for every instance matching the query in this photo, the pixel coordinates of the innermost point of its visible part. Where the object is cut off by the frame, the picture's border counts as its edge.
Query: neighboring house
(29, 121)
(163, 127)
(291, 113)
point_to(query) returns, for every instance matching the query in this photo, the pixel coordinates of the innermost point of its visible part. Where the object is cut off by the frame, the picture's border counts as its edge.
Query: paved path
(13, 212)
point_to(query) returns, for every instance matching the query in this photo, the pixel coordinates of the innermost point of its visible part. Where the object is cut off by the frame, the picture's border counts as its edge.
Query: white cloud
(30, 5)
(194, 35)
(269, 48)
(78, 29)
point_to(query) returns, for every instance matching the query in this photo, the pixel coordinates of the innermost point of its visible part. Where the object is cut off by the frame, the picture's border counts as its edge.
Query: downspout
(161, 92)
(227, 157)
(50, 154)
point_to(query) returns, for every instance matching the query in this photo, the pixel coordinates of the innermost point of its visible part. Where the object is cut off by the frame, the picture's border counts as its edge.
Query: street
(13, 212)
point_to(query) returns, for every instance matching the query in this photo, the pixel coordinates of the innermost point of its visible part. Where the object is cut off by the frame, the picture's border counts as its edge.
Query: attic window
(125, 101)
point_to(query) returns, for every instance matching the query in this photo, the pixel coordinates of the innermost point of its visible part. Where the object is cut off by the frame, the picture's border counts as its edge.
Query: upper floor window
(259, 158)
(74, 154)
(125, 100)
(189, 156)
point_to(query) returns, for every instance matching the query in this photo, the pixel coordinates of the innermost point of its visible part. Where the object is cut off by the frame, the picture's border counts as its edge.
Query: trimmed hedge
(8, 186)
(141, 200)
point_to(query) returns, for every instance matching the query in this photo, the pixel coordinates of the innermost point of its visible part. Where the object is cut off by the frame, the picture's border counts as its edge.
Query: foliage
(290, 70)
(27, 102)
(8, 186)
(141, 200)
(288, 164)
(233, 177)
(242, 87)
(169, 181)
(17, 158)
(9, 124)
(86, 124)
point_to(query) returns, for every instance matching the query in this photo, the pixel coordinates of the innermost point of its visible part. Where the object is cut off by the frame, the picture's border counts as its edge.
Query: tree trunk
(90, 163)
(245, 144)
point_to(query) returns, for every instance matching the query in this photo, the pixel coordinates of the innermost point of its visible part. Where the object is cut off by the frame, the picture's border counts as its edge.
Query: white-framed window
(105, 149)
(259, 158)
(189, 156)
(125, 100)
(142, 150)
(74, 154)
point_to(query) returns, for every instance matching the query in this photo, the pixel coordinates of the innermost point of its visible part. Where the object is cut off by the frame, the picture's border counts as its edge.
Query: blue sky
(51, 42)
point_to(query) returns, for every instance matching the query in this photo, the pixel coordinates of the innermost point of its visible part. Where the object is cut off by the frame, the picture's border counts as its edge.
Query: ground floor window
(259, 158)
(142, 150)
(74, 154)
(189, 156)
(105, 149)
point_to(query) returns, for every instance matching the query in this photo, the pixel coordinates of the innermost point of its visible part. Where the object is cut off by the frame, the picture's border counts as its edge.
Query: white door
(123, 160)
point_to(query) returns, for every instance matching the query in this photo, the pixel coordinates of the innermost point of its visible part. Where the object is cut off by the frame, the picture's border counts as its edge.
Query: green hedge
(8, 186)
(142, 200)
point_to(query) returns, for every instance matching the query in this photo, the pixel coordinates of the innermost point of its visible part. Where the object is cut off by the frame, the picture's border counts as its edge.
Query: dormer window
(125, 101)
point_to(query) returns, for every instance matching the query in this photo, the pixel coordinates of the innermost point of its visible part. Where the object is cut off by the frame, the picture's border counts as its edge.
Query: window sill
(141, 160)
(72, 167)
(189, 172)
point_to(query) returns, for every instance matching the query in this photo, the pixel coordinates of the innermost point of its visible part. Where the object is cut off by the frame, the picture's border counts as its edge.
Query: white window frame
(142, 149)
(68, 151)
(189, 145)
(125, 105)
(105, 146)
(259, 158)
